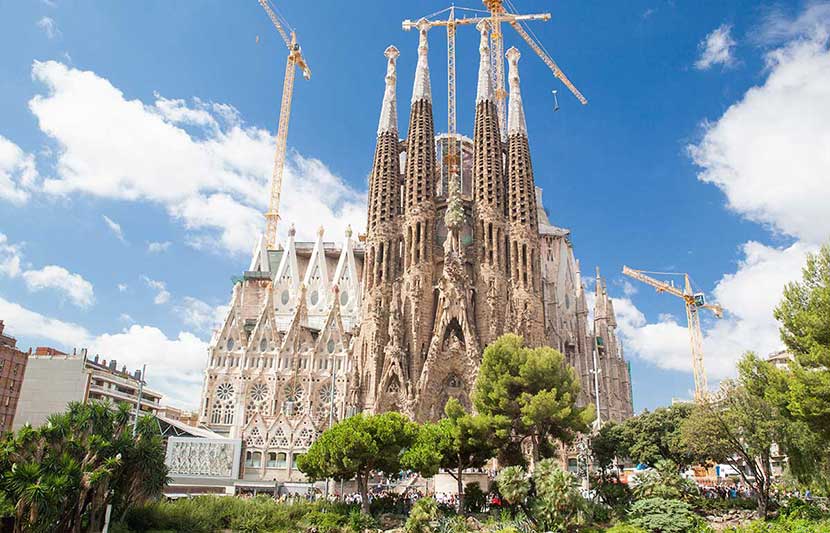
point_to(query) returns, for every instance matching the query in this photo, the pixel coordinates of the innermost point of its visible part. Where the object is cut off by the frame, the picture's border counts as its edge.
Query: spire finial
(320, 231)
(388, 112)
(421, 89)
(485, 78)
(349, 231)
(292, 230)
(516, 114)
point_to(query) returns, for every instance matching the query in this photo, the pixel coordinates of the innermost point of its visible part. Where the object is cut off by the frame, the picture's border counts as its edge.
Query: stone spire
(485, 75)
(516, 114)
(421, 89)
(388, 112)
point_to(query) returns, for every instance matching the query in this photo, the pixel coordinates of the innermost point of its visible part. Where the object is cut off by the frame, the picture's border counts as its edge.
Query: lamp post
(332, 391)
(138, 403)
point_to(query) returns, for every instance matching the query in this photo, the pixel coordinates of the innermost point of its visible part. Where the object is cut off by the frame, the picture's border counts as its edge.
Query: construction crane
(295, 59)
(694, 301)
(494, 17)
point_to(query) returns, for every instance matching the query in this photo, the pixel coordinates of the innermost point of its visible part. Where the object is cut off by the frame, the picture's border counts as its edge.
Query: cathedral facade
(456, 253)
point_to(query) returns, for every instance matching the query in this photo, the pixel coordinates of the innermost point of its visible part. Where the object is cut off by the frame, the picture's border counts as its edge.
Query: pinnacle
(388, 112)
(516, 114)
(485, 79)
(421, 88)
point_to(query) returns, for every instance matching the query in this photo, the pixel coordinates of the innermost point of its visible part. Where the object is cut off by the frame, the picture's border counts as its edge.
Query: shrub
(664, 516)
(625, 528)
(557, 504)
(423, 512)
(664, 481)
(474, 498)
(360, 521)
(798, 508)
(785, 525)
(513, 484)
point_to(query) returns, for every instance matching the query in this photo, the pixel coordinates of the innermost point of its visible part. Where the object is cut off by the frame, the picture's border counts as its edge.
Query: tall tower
(525, 307)
(489, 203)
(383, 240)
(419, 215)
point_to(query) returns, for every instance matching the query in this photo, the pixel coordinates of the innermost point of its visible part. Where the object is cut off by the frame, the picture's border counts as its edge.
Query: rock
(473, 524)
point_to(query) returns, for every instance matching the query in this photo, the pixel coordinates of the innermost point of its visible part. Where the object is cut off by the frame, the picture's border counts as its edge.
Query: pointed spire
(389, 111)
(516, 114)
(421, 89)
(485, 77)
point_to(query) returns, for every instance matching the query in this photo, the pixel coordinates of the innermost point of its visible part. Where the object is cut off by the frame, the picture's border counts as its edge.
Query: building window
(294, 458)
(253, 459)
(282, 460)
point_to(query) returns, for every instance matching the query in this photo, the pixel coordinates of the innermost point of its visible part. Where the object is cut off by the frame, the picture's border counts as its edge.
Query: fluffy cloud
(174, 365)
(162, 295)
(74, 286)
(9, 257)
(201, 315)
(115, 228)
(716, 48)
(769, 152)
(208, 169)
(17, 172)
(79, 291)
(769, 155)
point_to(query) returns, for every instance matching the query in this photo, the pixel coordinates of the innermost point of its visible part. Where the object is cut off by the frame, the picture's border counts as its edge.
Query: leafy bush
(785, 525)
(558, 502)
(423, 512)
(664, 516)
(360, 521)
(612, 491)
(513, 484)
(708, 505)
(797, 508)
(474, 498)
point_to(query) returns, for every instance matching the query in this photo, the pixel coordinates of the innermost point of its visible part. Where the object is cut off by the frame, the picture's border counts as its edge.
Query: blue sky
(135, 148)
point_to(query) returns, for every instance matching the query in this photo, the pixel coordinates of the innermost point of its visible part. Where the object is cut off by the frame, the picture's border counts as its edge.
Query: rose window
(259, 392)
(224, 391)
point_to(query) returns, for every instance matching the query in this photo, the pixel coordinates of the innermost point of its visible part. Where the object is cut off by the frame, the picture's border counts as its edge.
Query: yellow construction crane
(495, 15)
(693, 301)
(295, 59)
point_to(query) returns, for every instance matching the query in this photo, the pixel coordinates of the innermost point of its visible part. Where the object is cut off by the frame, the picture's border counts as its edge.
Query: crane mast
(295, 60)
(693, 303)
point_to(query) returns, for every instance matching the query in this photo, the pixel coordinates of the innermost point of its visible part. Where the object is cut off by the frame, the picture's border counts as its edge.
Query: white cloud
(778, 27)
(717, 48)
(174, 365)
(162, 296)
(115, 227)
(49, 27)
(17, 172)
(769, 155)
(125, 317)
(10, 257)
(158, 247)
(208, 169)
(74, 286)
(749, 296)
(122, 287)
(201, 315)
(28, 323)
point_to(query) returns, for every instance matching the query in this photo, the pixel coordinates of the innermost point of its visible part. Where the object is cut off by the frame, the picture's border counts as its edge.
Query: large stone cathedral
(456, 253)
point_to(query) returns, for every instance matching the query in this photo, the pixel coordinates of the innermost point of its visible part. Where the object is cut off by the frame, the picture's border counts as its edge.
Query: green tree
(804, 314)
(739, 428)
(653, 436)
(61, 476)
(607, 445)
(536, 390)
(358, 445)
(458, 441)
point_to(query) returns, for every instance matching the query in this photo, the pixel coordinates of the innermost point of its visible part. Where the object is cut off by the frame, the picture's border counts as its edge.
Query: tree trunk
(534, 453)
(363, 489)
(460, 482)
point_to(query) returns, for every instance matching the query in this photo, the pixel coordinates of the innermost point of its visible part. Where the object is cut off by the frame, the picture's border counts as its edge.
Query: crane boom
(693, 302)
(549, 62)
(295, 59)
